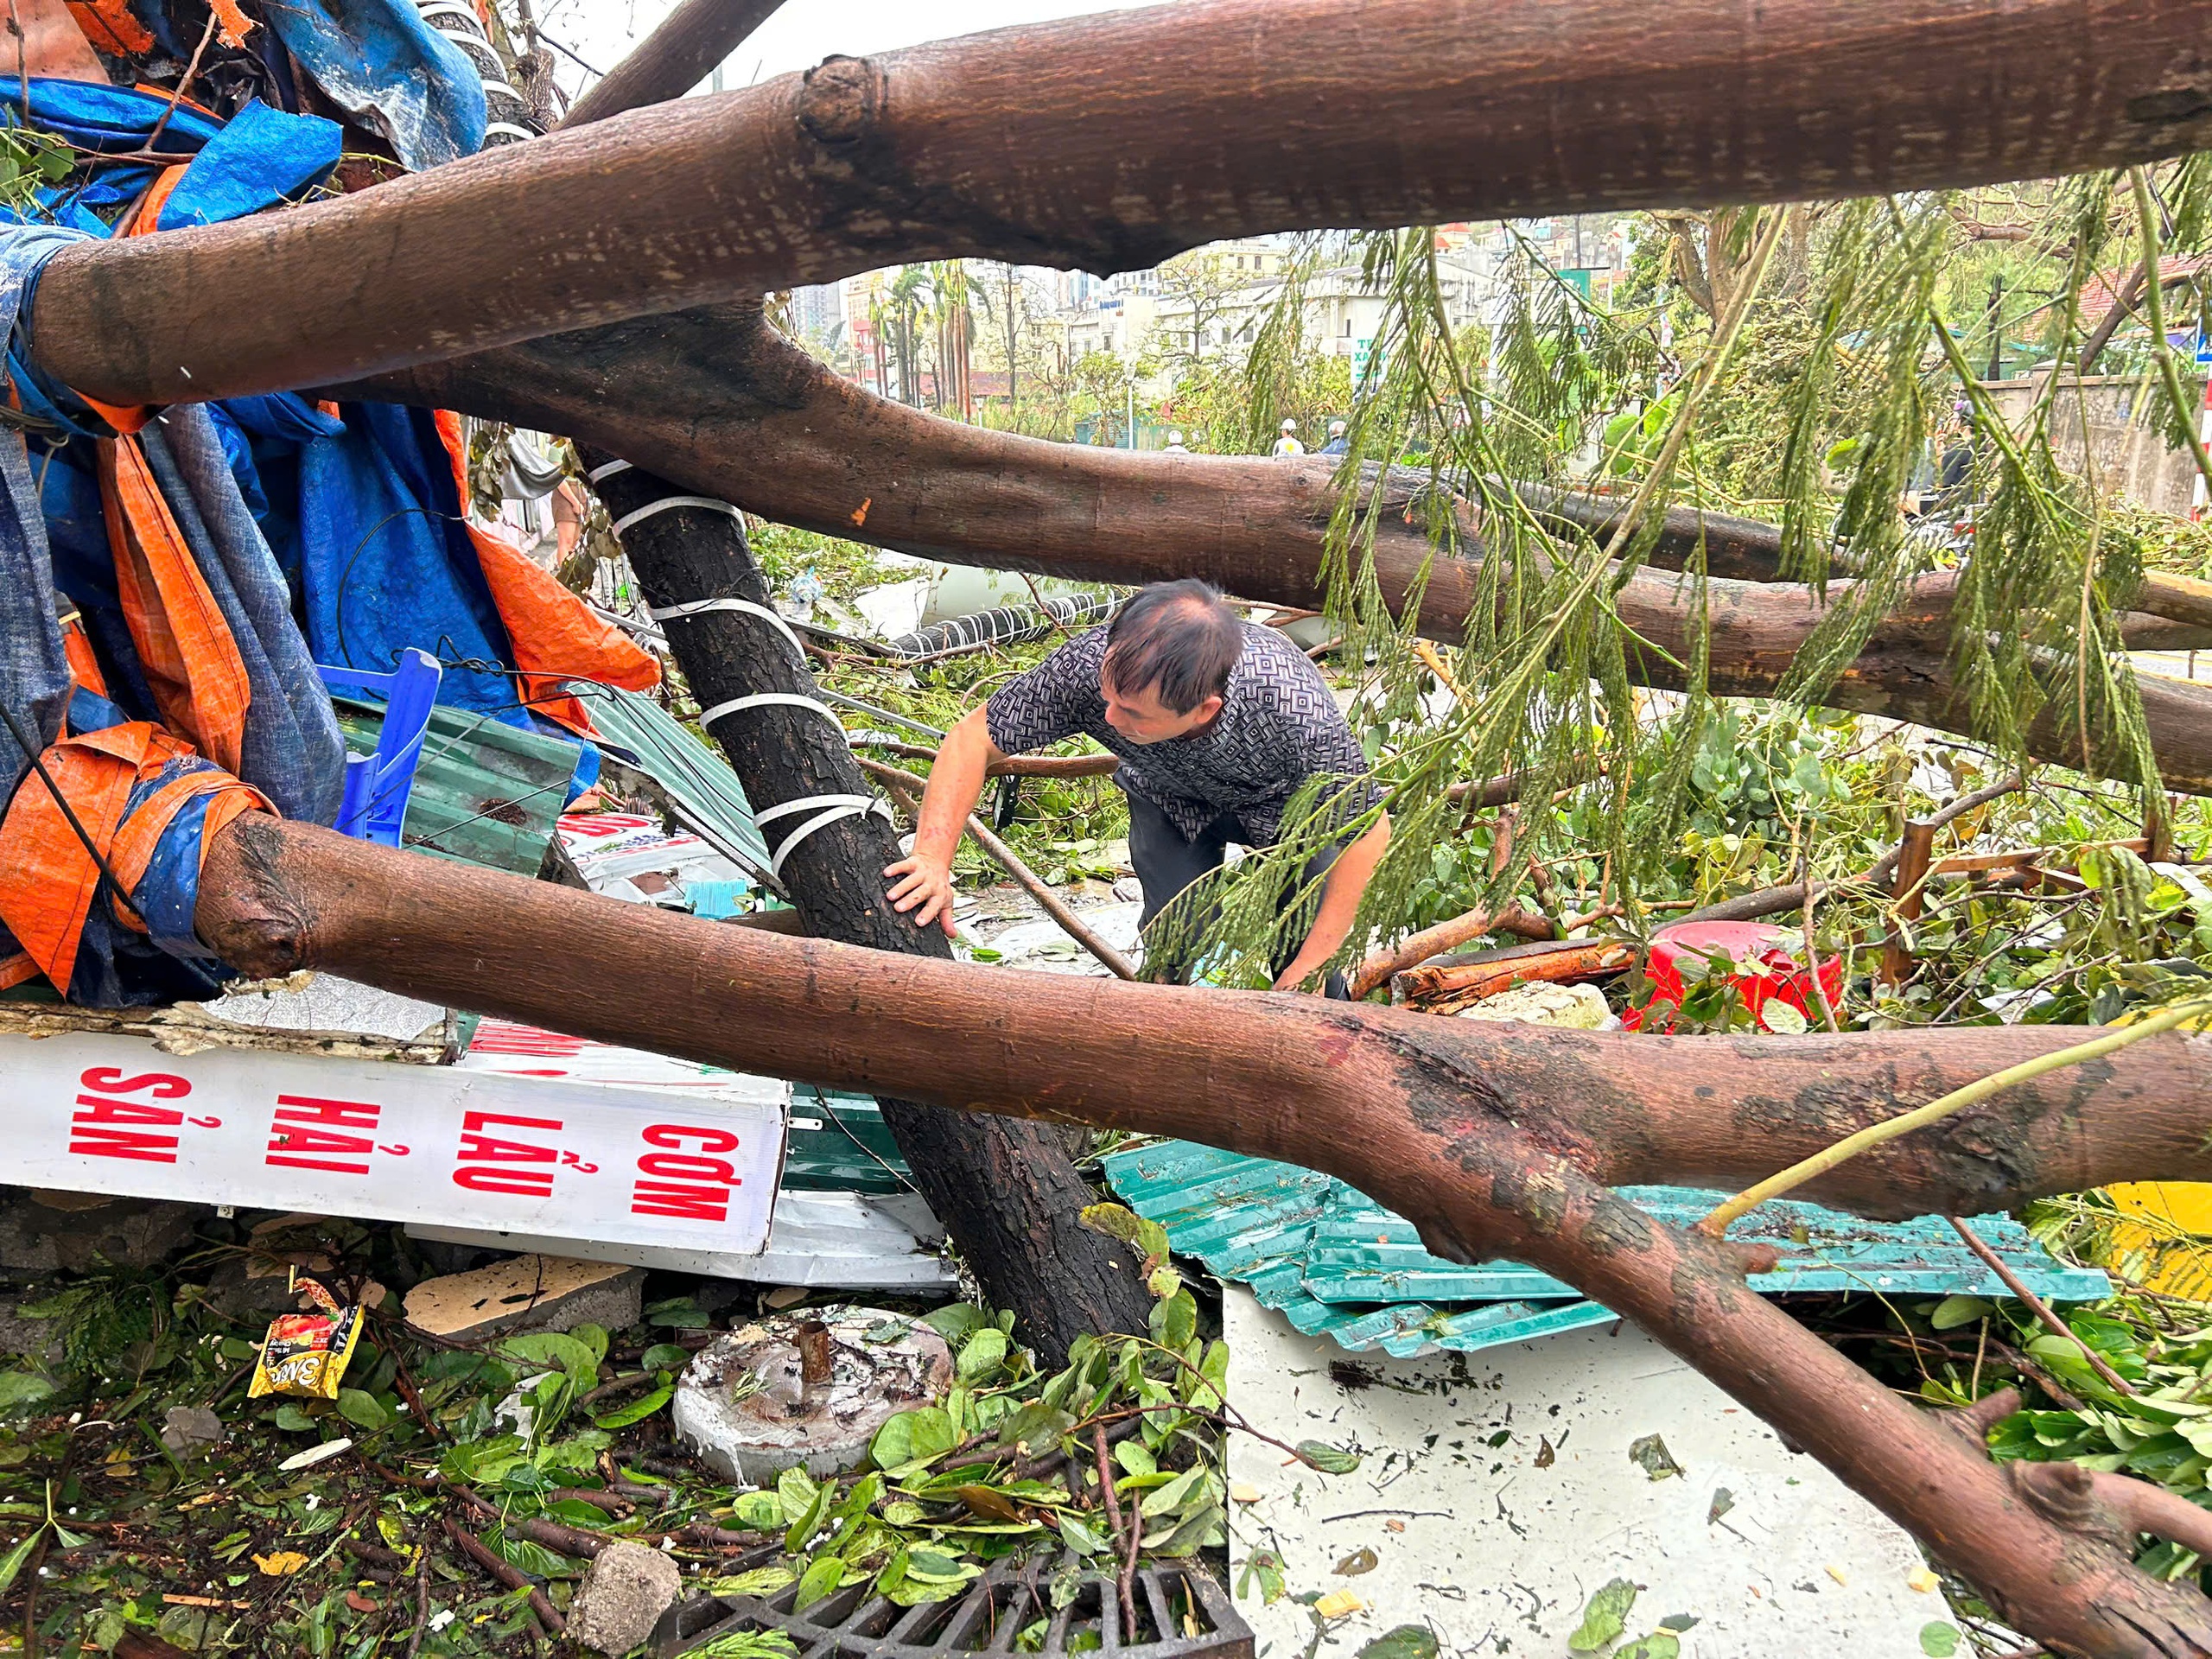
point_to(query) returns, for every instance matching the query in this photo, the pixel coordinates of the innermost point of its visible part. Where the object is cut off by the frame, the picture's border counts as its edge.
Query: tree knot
(841, 99)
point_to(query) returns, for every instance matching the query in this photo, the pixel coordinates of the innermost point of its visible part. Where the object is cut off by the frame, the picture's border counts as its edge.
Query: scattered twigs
(511, 1577)
(1943, 1106)
(567, 1541)
(621, 1384)
(2037, 1305)
(1812, 948)
(1775, 901)
(1909, 891)
(1012, 765)
(1417, 948)
(422, 1600)
(374, 1554)
(1114, 1520)
(1447, 987)
(902, 783)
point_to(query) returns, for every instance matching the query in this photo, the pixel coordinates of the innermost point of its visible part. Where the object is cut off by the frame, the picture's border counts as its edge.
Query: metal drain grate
(1172, 1600)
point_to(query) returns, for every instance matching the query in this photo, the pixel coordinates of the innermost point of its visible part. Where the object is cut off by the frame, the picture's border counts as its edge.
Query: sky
(800, 35)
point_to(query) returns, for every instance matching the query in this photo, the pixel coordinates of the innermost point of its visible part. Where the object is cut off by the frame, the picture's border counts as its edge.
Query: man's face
(1142, 717)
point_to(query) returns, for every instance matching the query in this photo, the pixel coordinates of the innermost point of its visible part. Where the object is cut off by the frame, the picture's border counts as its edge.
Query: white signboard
(109, 1114)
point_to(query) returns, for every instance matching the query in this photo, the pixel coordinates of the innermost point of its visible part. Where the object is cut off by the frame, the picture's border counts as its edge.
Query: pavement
(1499, 1493)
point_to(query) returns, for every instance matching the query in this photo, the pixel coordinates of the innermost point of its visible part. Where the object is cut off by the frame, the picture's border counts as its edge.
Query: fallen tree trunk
(1006, 1190)
(1111, 143)
(2172, 612)
(716, 400)
(680, 53)
(1493, 1140)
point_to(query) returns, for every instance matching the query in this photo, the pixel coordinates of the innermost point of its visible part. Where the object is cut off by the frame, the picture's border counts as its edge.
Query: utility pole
(1013, 403)
(1996, 327)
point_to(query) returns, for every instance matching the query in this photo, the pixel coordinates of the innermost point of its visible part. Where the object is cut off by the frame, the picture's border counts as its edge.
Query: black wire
(115, 882)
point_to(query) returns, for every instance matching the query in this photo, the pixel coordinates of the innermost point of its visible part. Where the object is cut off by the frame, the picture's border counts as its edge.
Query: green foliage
(1818, 397)
(1603, 1617)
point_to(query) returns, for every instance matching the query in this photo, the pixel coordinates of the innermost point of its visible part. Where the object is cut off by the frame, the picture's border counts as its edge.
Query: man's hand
(916, 881)
(1297, 974)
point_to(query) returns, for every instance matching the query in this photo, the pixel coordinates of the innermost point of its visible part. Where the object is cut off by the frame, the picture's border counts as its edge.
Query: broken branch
(1957, 1100)
(907, 787)
(1109, 142)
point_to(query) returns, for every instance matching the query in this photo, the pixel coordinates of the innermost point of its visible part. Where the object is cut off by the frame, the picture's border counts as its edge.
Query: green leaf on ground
(1604, 1617)
(637, 1411)
(1329, 1459)
(1407, 1642)
(1939, 1640)
(983, 1354)
(821, 1576)
(1650, 1454)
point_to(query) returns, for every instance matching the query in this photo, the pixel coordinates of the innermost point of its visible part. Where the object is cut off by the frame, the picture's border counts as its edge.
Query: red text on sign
(687, 1184)
(104, 1125)
(493, 1159)
(337, 1135)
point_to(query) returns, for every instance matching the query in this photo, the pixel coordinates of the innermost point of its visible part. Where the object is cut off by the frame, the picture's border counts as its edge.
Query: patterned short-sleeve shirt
(1278, 726)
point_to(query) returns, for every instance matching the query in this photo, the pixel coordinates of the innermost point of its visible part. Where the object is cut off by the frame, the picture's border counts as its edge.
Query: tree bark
(1006, 1190)
(1112, 142)
(1493, 1140)
(672, 59)
(716, 400)
(2172, 613)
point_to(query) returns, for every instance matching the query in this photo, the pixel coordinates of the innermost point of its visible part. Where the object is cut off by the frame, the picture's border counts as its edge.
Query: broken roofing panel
(1335, 1262)
(1362, 1252)
(484, 792)
(702, 791)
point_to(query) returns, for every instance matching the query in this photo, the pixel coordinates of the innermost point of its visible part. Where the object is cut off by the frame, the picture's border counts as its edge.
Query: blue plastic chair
(378, 785)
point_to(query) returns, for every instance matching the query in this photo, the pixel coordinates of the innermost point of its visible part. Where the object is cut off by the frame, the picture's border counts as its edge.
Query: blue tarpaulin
(381, 63)
(263, 156)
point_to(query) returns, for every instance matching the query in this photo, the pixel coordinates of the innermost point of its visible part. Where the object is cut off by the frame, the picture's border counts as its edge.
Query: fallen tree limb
(680, 53)
(1007, 1190)
(1492, 1138)
(1012, 765)
(908, 789)
(1417, 948)
(1111, 143)
(2172, 612)
(1447, 987)
(714, 400)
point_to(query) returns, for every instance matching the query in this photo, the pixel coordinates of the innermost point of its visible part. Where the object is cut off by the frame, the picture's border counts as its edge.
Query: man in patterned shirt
(1218, 722)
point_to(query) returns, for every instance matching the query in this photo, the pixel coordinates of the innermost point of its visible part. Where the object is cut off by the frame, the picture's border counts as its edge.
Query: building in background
(818, 313)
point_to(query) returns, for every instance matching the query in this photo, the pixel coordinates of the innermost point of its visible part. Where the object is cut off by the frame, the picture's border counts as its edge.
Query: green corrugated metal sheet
(838, 1143)
(1336, 1263)
(702, 791)
(1362, 1252)
(484, 792)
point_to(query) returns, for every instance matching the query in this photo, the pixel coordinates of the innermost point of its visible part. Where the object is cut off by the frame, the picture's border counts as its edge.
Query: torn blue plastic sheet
(1336, 1263)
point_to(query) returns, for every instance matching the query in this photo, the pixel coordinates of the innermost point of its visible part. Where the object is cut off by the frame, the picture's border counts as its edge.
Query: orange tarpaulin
(48, 878)
(554, 633)
(191, 663)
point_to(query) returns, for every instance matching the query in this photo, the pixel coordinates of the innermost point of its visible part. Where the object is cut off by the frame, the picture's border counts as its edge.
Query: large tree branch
(1491, 1139)
(2172, 612)
(1112, 142)
(675, 57)
(716, 400)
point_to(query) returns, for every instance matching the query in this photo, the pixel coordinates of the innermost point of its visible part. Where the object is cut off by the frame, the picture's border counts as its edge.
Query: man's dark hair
(1176, 638)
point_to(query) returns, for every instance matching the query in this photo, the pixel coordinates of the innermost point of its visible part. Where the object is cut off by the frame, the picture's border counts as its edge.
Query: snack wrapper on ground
(306, 1354)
